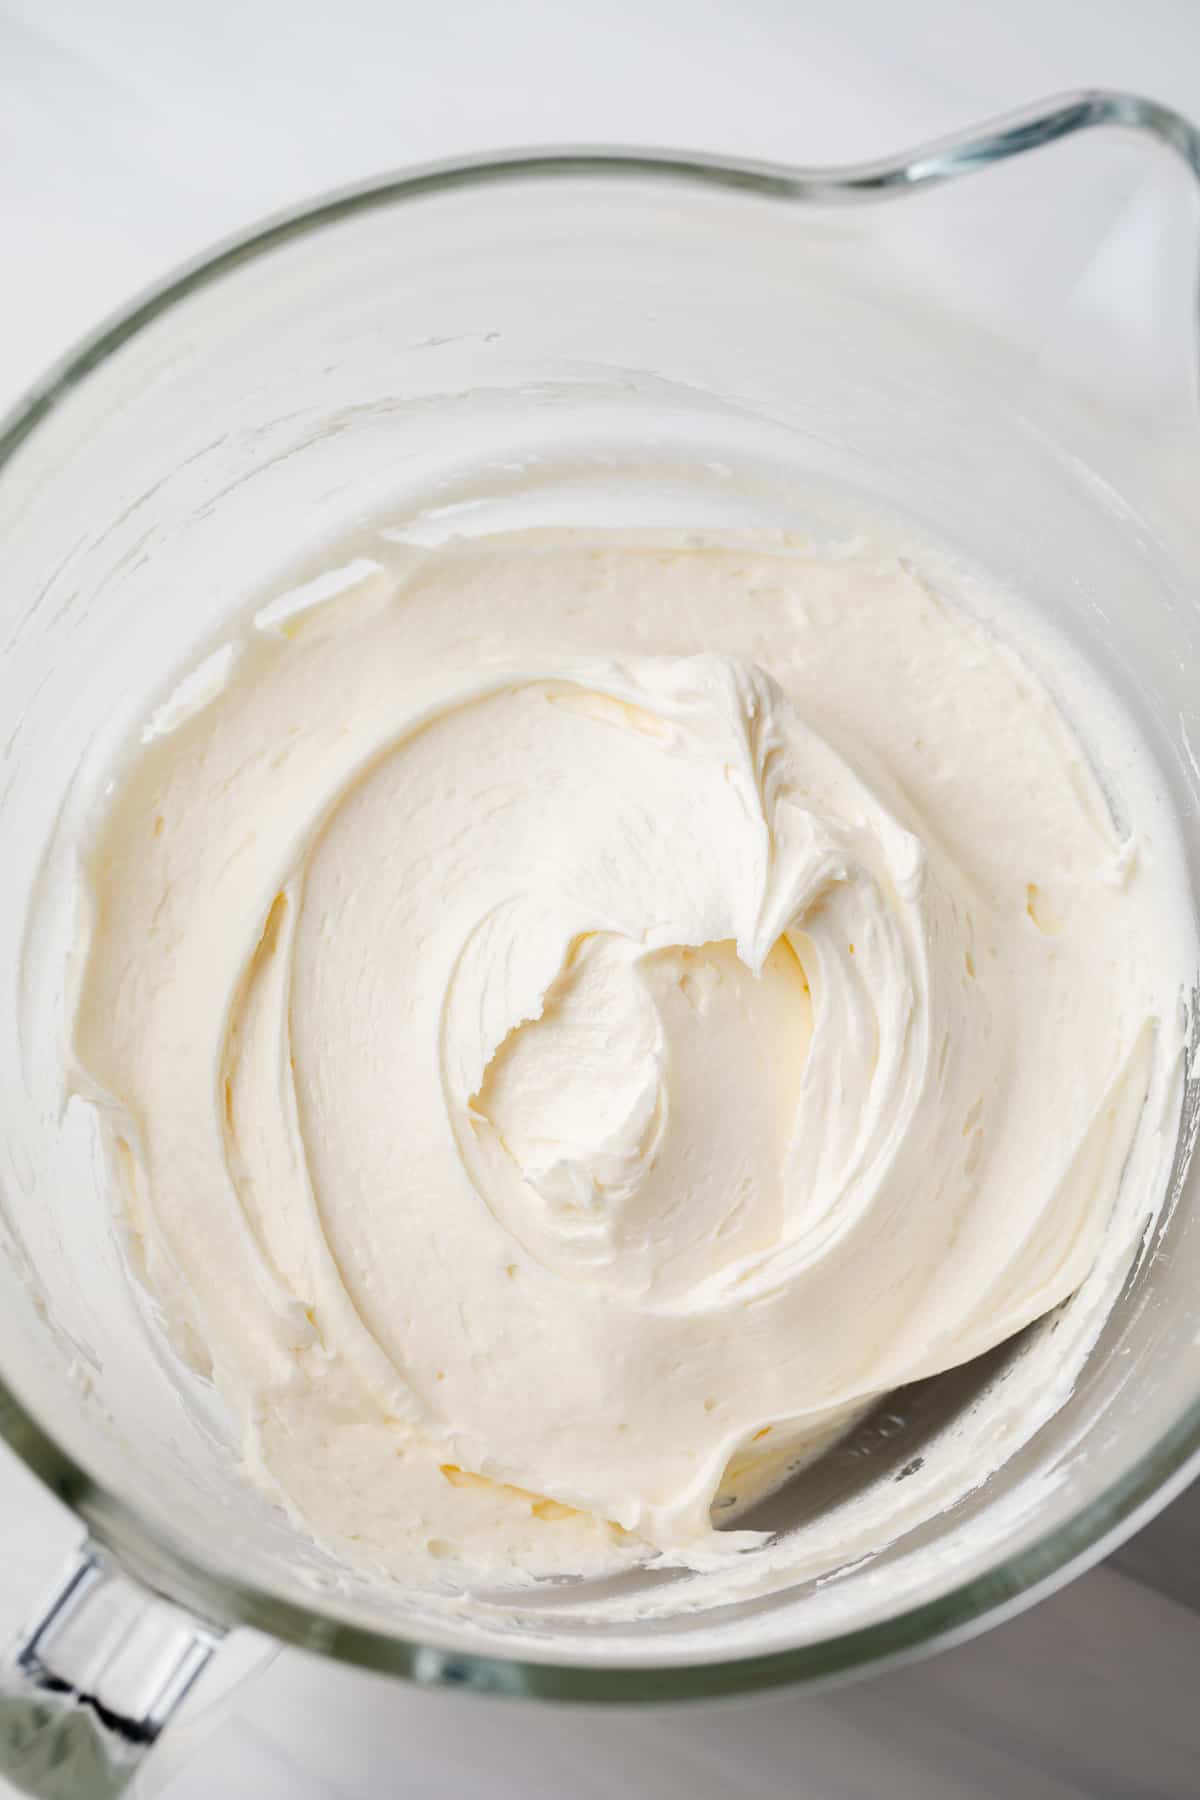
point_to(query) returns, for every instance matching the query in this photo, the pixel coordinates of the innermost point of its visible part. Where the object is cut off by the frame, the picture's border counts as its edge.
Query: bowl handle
(88, 1687)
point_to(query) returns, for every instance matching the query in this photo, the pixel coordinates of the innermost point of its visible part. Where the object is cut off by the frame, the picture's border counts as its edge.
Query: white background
(132, 133)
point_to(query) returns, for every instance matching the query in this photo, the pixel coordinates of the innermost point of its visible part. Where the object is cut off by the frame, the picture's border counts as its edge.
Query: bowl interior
(551, 349)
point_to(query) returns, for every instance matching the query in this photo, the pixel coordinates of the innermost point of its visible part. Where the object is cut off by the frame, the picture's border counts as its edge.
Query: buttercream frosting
(577, 1017)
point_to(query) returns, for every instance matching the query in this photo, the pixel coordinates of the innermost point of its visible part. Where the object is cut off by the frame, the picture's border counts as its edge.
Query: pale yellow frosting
(572, 1014)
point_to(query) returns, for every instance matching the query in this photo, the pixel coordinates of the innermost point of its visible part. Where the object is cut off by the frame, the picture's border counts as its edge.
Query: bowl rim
(175, 1569)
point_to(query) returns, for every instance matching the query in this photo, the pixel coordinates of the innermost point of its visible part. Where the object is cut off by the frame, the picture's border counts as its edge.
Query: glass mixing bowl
(577, 337)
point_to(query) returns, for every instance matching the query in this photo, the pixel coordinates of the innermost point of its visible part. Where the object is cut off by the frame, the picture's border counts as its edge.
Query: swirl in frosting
(577, 1018)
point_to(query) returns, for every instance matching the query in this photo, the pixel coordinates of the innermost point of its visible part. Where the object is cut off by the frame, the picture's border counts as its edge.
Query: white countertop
(132, 133)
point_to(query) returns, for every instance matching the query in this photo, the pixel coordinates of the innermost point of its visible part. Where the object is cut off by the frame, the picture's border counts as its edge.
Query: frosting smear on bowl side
(575, 1017)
